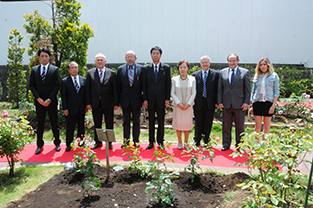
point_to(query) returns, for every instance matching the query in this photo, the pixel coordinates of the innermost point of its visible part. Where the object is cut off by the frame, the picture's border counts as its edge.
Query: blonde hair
(270, 67)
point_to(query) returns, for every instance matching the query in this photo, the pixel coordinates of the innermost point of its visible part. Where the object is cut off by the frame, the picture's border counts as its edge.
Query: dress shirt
(133, 70)
(77, 77)
(103, 70)
(207, 74)
(41, 68)
(158, 67)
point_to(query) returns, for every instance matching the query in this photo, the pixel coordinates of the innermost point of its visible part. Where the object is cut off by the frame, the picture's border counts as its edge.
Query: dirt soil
(124, 189)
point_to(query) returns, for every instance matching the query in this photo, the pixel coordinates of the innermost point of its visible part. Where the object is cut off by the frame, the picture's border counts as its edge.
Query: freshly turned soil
(124, 189)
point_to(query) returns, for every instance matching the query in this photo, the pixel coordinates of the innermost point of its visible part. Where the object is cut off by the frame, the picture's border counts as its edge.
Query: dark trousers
(41, 116)
(203, 122)
(160, 133)
(127, 112)
(97, 114)
(228, 116)
(71, 121)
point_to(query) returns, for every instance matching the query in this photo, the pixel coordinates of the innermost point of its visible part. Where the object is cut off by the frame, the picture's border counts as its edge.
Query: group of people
(135, 86)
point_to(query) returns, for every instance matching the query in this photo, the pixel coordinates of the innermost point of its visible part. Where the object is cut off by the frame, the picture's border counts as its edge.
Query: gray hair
(205, 57)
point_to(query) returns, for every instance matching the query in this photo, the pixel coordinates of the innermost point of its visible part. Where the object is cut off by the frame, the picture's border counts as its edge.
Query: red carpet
(221, 159)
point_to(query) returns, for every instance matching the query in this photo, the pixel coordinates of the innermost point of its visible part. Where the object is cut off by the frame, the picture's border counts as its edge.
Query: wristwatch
(49, 100)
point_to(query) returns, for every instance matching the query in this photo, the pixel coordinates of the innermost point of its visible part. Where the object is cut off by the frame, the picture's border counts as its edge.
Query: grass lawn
(26, 178)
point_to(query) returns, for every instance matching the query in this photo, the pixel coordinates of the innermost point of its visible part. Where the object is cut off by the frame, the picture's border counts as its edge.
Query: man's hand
(145, 104)
(115, 107)
(244, 106)
(167, 103)
(47, 102)
(40, 101)
(65, 112)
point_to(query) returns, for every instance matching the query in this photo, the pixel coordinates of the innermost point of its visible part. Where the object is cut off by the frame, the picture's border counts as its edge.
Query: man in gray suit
(233, 97)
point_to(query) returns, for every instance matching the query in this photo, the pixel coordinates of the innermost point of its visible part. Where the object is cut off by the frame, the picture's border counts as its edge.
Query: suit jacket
(108, 90)
(157, 92)
(237, 94)
(71, 100)
(211, 86)
(130, 95)
(47, 89)
(176, 91)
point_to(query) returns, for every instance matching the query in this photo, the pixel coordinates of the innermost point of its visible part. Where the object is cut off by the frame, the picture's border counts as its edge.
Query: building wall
(185, 29)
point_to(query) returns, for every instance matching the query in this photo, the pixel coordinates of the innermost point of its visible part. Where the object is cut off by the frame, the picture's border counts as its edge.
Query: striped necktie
(76, 84)
(131, 75)
(43, 74)
(232, 78)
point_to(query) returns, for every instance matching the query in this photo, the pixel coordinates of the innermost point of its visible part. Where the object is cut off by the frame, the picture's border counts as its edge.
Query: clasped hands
(45, 103)
(183, 107)
(243, 107)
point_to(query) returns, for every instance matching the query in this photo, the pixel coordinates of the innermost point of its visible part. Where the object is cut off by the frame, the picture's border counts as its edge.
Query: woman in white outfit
(183, 93)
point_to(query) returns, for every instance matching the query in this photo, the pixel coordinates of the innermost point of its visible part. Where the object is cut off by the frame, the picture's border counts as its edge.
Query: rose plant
(84, 162)
(279, 182)
(14, 135)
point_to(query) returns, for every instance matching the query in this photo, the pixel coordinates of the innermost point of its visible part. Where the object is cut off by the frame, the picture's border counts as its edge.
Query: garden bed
(124, 189)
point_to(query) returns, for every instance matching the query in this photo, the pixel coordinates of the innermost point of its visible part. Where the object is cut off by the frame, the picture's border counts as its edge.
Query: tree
(16, 79)
(66, 37)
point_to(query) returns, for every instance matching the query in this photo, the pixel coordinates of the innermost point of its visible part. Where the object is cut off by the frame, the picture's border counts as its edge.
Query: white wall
(186, 29)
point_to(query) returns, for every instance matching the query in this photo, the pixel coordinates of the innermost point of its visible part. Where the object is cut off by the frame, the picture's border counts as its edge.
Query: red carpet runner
(221, 159)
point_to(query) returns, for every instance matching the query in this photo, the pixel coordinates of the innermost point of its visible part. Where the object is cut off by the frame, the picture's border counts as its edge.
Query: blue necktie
(43, 75)
(232, 78)
(76, 84)
(156, 73)
(131, 75)
(204, 84)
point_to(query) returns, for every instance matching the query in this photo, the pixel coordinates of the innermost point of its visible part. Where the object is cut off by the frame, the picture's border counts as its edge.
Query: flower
(307, 96)
(292, 129)
(5, 114)
(280, 112)
(27, 111)
(24, 112)
(172, 205)
(304, 94)
(217, 139)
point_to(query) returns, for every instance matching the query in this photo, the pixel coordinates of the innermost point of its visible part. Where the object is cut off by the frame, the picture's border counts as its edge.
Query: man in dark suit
(44, 84)
(156, 94)
(129, 79)
(101, 96)
(205, 100)
(233, 97)
(73, 103)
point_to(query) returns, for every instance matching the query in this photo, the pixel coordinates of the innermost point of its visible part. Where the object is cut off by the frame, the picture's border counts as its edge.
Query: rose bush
(14, 134)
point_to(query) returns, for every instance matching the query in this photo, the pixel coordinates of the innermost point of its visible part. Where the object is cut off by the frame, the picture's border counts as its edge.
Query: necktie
(156, 73)
(232, 78)
(43, 75)
(101, 73)
(76, 84)
(131, 76)
(204, 84)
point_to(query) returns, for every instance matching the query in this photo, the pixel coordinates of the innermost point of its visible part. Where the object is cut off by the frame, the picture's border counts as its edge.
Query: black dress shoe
(161, 146)
(196, 144)
(225, 148)
(39, 150)
(150, 146)
(57, 148)
(97, 145)
(68, 149)
(110, 146)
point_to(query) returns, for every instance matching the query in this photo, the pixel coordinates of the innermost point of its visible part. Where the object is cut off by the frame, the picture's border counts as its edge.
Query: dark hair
(233, 54)
(156, 48)
(181, 62)
(44, 50)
